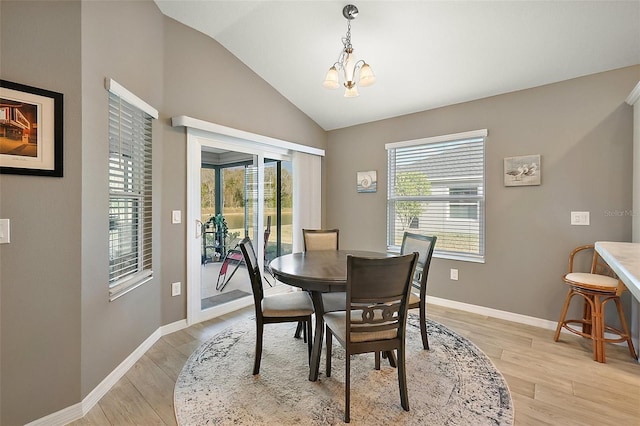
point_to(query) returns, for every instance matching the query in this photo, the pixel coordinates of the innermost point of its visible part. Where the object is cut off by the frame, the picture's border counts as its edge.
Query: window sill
(125, 287)
(459, 257)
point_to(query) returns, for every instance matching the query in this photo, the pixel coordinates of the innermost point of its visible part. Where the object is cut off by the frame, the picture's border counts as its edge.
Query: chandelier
(354, 72)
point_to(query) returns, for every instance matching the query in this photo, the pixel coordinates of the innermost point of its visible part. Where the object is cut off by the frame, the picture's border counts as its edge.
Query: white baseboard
(62, 417)
(79, 410)
(494, 313)
(173, 327)
(508, 316)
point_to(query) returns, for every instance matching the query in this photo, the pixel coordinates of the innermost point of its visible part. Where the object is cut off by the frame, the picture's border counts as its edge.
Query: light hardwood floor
(551, 383)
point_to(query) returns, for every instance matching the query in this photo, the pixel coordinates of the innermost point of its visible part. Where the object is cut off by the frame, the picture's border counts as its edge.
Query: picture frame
(523, 170)
(367, 181)
(31, 130)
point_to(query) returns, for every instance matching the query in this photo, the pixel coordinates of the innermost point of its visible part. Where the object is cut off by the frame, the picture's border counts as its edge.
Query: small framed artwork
(367, 181)
(30, 130)
(522, 171)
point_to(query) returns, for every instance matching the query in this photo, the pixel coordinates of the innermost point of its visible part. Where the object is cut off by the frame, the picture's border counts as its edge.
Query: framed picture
(30, 130)
(522, 171)
(367, 181)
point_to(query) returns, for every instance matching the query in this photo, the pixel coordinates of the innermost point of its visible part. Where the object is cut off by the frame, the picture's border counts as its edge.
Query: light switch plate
(5, 231)
(580, 218)
(176, 216)
(454, 274)
(176, 288)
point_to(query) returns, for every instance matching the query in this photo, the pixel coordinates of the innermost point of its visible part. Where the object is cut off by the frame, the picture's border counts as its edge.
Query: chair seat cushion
(337, 322)
(334, 301)
(293, 304)
(414, 300)
(592, 281)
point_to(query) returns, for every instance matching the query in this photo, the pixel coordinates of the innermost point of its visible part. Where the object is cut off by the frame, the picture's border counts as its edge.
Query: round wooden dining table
(317, 272)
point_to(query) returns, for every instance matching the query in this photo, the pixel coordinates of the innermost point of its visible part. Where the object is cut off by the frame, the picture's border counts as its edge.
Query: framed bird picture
(522, 171)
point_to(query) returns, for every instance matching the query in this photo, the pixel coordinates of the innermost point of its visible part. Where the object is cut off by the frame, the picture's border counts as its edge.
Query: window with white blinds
(130, 196)
(436, 187)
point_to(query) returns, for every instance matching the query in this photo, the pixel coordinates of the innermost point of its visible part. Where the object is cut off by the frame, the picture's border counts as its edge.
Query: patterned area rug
(454, 383)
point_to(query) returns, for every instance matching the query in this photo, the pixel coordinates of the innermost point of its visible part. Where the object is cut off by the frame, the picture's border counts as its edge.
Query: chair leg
(586, 317)
(377, 360)
(308, 337)
(259, 330)
(329, 339)
(392, 359)
(625, 328)
(402, 379)
(597, 329)
(386, 355)
(563, 314)
(423, 325)
(298, 330)
(347, 388)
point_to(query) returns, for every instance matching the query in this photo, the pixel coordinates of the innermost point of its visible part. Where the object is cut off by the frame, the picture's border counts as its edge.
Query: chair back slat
(320, 239)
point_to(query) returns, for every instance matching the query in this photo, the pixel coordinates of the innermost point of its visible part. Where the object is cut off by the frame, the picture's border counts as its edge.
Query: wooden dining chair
(424, 245)
(375, 321)
(286, 307)
(323, 239)
(596, 287)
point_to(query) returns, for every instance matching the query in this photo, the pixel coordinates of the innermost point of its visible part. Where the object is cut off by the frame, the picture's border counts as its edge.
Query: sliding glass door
(241, 195)
(280, 178)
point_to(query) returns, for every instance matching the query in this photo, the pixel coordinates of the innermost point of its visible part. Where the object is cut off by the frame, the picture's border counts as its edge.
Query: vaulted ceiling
(425, 54)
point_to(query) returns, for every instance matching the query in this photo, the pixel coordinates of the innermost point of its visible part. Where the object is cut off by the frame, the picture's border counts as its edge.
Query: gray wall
(122, 41)
(582, 128)
(60, 335)
(40, 269)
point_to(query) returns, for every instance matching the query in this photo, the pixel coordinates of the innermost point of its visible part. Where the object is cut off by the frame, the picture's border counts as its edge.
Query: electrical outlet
(454, 274)
(176, 289)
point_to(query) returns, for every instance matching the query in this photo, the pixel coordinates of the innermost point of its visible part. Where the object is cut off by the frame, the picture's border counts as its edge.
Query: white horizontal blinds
(130, 201)
(251, 204)
(436, 187)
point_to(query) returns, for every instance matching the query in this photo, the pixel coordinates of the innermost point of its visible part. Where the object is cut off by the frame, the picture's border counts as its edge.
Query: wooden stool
(596, 288)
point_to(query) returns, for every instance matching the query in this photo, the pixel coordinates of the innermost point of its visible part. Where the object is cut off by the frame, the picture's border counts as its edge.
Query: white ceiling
(425, 54)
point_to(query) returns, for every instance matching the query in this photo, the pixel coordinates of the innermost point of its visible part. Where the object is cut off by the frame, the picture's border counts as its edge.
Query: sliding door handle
(199, 228)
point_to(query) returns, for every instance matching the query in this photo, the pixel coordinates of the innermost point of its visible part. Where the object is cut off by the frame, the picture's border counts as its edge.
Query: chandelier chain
(346, 40)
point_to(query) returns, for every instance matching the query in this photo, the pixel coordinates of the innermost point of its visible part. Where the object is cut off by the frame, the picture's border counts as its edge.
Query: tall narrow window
(130, 197)
(436, 187)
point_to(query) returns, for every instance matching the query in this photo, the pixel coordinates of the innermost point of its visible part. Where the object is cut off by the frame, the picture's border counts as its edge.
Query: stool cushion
(593, 281)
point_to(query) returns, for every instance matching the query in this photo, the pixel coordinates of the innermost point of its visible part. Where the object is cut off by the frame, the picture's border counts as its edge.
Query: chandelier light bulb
(367, 78)
(331, 81)
(351, 92)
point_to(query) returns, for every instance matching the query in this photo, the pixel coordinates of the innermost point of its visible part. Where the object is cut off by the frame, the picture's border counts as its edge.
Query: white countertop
(624, 259)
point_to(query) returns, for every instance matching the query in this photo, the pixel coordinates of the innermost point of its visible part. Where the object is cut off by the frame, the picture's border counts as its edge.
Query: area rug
(453, 383)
